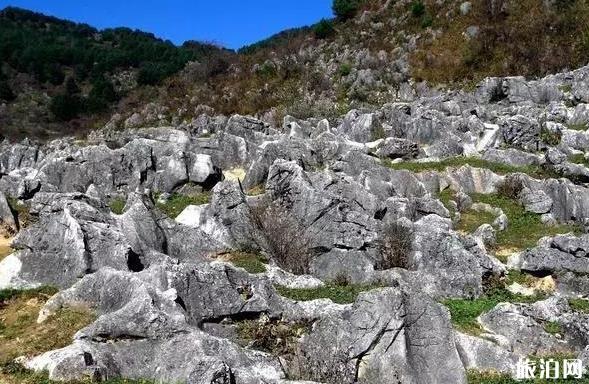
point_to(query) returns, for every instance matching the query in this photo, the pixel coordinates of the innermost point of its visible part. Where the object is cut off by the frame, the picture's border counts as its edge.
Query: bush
(66, 107)
(6, 93)
(510, 188)
(284, 237)
(345, 9)
(323, 29)
(417, 9)
(345, 69)
(395, 245)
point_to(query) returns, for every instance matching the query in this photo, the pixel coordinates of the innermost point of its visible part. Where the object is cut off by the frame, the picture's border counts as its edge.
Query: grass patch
(471, 220)
(5, 249)
(577, 127)
(14, 373)
(521, 278)
(464, 312)
(276, 337)
(251, 262)
(525, 228)
(117, 206)
(579, 159)
(459, 161)
(177, 203)
(259, 189)
(340, 294)
(552, 327)
(477, 377)
(20, 335)
(579, 305)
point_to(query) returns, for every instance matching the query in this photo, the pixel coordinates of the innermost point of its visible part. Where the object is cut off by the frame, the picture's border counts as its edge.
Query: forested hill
(82, 70)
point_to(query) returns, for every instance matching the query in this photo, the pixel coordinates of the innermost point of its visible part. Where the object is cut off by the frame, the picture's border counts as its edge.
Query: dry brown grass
(5, 249)
(20, 335)
(528, 39)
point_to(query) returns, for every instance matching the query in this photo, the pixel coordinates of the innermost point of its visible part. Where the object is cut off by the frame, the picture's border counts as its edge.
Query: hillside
(380, 52)
(59, 77)
(398, 195)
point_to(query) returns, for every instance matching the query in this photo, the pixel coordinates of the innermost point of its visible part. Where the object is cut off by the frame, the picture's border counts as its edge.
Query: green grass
(340, 294)
(177, 203)
(9, 294)
(553, 327)
(21, 335)
(251, 262)
(579, 159)
(117, 206)
(470, 220)
(524, 228)
(453, 162)
(476, 377)
(577, 127)
(521, 278)
(464, 312)
(14, 373)
(579, 305)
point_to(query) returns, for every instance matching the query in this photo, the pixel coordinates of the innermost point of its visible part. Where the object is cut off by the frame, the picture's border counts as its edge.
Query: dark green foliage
(275, 41)
(71, 87)
(417, 9)
(323, 29)
(6, 93)
(45, 46)
(65, 107)
(345, 9)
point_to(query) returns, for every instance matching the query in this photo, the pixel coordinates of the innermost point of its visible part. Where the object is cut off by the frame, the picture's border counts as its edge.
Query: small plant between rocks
(273, 336)
(395, 244)
(464, 312)
(339, 294)
(20, 335)
(250, 261)
(176, 203)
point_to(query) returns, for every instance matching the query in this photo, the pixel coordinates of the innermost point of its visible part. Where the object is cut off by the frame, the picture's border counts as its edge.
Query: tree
(323, 29)
(66, 107)
(345, 9)
(6, 93)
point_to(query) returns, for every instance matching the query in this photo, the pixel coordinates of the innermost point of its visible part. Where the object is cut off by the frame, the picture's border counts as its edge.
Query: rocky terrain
(431, 240)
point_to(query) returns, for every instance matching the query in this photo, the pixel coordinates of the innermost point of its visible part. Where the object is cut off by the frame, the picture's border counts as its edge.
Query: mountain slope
(55, 70)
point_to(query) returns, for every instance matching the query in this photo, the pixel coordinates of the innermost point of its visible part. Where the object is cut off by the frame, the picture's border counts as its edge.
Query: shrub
(6, 93)
(395, 245)
(66, 107)
(284, 237)
(510, 188)
(117, 206)
(427, 21)
(345, 9)
(417, 9)
(551, 138)
(345, 69)
(276, 337)
(323, 29)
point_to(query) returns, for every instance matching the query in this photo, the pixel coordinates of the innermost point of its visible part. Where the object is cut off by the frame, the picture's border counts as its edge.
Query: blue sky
(232, 23)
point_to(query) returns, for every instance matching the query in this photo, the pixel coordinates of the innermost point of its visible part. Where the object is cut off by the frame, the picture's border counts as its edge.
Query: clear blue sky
(232, 23)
